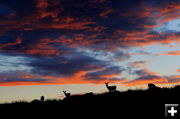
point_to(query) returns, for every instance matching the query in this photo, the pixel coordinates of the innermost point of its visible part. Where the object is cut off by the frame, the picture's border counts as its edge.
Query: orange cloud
(106, 76)
(42, 49)
(159, 80)
(43, 4)
(49, 80)
(76, 78)
(71, 26)
(17, 42)
(106, 13)
(144, 81)
(170, 12)
(20, 83)
(171, 53)
(140, 64)
(173, 80)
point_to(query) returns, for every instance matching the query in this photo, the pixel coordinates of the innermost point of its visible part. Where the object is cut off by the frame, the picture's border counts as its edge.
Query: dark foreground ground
(122, 105)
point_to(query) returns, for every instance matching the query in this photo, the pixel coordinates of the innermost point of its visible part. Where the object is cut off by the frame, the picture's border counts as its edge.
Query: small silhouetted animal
(67, 94)
(42, 98)
(152, 86)
(110, 88)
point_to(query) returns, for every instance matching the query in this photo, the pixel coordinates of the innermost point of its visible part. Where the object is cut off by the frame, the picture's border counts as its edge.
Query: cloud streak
(171, 53)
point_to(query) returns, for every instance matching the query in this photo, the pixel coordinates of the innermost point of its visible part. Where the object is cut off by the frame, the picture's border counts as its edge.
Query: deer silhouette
(110, 88)
(67, 94)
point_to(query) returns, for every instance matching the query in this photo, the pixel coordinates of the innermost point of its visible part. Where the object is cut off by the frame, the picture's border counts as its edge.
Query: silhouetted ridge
(151, 100)
(113, 96)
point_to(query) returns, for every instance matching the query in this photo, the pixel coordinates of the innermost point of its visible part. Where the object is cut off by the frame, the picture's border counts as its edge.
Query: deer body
(67, 94)
(110, 88)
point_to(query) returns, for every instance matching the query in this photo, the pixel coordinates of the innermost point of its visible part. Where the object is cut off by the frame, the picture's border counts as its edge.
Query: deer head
(106, 83)
(66, 94)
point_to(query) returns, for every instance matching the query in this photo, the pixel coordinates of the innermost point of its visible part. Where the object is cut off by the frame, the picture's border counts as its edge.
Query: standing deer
(67, 94)
(110, 88)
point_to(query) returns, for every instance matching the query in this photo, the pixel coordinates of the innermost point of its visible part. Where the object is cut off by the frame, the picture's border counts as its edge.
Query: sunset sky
(47, 46)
